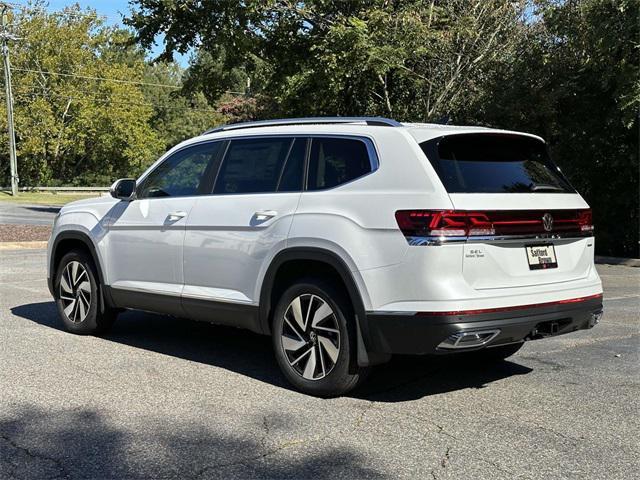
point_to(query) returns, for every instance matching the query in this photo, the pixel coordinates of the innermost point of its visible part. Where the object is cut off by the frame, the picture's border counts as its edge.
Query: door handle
(262, 215)
(175, 216)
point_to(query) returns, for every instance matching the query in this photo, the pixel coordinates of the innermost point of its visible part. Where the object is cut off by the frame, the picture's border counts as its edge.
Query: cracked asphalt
(166, 398)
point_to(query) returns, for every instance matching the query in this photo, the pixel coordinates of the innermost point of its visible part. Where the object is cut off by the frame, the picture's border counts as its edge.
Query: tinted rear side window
(252, 165)
(488, 163)
(293, 173)
(335, 161)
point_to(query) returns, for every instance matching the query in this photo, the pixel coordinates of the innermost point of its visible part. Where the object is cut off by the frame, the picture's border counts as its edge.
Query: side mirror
(124, 189)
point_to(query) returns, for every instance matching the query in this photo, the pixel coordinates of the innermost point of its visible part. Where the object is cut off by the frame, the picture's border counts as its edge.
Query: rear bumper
(418, 333)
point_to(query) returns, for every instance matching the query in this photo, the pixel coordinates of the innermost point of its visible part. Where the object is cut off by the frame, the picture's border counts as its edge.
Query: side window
(182, 174)
(252, 165)
(335, 161)
(293, 173)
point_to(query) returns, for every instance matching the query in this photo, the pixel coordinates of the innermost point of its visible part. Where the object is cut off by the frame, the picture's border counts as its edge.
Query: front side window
(335, 161)
(182, 174)
(253, 165)
(494, 163)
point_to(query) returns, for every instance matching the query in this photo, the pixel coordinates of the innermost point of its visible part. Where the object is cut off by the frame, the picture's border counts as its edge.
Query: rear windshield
(494, 163)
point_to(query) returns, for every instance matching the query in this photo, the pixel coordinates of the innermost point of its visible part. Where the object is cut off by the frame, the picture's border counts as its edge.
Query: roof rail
(378, 121)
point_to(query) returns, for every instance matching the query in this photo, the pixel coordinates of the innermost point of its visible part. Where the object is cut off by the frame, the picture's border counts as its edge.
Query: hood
(88, 202)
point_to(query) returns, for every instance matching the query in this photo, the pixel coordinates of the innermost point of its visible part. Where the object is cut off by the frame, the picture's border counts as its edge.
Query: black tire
(496, 354)
(78, 318)
(344, 374)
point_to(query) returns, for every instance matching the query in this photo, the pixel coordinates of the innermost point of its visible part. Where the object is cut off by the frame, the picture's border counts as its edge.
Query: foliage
(178, 114)
(575, 80)
(567, 70)
(67, 125)
(412, 59)
(44, 198)
(564, 69)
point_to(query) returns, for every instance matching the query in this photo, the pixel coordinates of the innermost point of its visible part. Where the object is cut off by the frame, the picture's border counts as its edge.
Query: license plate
(541, 256)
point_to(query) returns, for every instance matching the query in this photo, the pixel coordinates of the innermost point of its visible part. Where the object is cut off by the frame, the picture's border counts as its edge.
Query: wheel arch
(332, 261)
(67, 241)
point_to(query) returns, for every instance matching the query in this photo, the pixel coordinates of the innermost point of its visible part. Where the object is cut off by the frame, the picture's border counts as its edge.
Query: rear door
(246, 218)
(536, 229)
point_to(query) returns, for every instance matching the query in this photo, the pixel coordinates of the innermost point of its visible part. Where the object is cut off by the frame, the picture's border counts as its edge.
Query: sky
(113, 10)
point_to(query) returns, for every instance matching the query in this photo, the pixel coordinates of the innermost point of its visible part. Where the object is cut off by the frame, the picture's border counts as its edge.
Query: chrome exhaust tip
(462, 340)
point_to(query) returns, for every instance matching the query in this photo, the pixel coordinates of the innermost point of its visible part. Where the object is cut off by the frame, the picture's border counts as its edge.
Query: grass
(45, 198)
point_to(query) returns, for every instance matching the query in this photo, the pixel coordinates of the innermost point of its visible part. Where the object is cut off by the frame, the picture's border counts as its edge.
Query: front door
(146, 236)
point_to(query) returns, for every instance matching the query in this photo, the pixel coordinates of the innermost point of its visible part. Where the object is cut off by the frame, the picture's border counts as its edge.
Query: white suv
(345, 239)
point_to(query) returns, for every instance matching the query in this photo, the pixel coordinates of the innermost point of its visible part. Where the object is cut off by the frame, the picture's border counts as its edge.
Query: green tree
(178, 114)
(575, 80)
(416, 60)
(564, 69)
(70, 126)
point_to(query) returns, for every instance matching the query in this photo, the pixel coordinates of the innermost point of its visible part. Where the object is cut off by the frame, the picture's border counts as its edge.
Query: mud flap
(364, 357)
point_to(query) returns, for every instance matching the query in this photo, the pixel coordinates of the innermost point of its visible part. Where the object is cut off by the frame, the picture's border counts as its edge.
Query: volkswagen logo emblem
(547, 222)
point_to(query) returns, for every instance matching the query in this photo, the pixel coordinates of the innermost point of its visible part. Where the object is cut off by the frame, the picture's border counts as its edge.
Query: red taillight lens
(479, 224)
(585, 220)
(432, 223)
(457, 223)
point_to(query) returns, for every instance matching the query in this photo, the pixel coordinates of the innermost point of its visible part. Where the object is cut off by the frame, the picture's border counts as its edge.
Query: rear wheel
(77, 296)
(314, 339)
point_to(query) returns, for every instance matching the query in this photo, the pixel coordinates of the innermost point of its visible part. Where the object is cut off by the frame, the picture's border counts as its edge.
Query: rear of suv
(347, 240)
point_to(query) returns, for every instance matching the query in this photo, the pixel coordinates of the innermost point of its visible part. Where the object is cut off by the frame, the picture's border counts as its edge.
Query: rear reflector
(510, 309)
(463, 223)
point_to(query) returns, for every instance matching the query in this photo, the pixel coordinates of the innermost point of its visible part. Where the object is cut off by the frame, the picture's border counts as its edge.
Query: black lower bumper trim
(399, 333)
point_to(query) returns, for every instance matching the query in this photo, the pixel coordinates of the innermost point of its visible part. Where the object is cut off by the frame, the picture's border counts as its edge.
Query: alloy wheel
(310, 336)
(75, 292)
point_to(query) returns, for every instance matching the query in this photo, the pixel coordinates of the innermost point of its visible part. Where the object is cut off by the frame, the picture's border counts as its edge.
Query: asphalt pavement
(165, 398)
(25, 214)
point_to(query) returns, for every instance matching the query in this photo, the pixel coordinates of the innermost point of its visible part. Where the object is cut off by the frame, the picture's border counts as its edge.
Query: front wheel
(314, 339)
(77, 296)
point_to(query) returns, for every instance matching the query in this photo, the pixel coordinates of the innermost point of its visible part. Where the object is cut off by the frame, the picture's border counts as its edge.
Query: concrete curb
(628, 262)
(22, 245)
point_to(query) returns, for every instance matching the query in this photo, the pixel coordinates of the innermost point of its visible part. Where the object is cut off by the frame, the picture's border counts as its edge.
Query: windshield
(494, 163)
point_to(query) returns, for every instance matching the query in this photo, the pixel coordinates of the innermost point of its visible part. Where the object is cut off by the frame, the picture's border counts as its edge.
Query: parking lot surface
(13, 213)
(166, 398)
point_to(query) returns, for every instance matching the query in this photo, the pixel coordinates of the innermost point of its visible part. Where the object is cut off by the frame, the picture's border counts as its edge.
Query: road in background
(21, 214)
(166, 398)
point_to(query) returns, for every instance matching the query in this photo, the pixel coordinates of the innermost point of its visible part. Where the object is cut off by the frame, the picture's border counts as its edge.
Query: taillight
(494, 223)
(432, 223)
(585, 220)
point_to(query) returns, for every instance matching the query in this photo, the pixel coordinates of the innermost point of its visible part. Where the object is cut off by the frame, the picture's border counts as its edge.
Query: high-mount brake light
(462, 224)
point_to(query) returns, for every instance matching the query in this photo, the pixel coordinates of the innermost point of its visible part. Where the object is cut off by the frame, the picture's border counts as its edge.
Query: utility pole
(5, 36)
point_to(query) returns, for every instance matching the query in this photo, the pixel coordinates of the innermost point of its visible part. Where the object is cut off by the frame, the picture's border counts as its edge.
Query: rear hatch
(524, 223)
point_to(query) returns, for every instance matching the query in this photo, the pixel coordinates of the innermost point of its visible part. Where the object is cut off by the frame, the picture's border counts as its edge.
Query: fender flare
(86, 240)
(364, 357)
